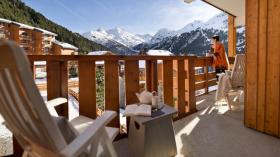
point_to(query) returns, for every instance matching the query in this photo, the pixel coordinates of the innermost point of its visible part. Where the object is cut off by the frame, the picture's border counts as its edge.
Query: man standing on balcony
(220, 61)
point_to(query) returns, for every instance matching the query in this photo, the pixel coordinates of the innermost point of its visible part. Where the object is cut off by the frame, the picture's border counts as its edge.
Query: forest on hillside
(16, 10)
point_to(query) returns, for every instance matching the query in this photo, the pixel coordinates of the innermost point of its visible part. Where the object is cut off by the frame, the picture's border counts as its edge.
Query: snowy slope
(124, 37)
(218, 22)
(190, 27)
(117, 34)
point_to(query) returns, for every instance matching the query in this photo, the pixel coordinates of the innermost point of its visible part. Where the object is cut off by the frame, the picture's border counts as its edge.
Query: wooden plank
(112, 90)
(251, 60)
(262, 64)
(199, 77)
(231, 36)
(212, 83)
(151, 75)
(148, 73)
(199, 62)
(131, 81)
(211, 75)
(104, 57)
(131, 84)
(33, 69)
(206, 79)
(200, 85)
(57, 84)
(190, 86)
(273, 65)
(208, 61)
(87, 89)
(168, 82)
(181, 91)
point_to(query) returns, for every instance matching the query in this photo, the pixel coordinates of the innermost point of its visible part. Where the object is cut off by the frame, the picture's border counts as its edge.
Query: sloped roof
(65, 45)
(21, 25)
(5, 20)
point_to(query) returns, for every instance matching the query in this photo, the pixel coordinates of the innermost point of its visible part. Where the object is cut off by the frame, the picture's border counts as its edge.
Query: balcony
(202, 128)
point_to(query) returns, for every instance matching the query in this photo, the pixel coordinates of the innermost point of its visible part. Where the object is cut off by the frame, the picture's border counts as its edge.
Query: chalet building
(34, 40)
(61, 48)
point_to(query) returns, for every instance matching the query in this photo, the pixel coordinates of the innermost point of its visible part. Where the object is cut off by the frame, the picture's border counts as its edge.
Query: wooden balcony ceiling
(216, 132)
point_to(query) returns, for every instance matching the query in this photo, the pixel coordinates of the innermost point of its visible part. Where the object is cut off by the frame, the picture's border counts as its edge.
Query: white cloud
(177, 16)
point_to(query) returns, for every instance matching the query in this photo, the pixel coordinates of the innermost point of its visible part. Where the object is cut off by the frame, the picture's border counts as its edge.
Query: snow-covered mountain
(194, 38)
(106, 39)
(145, 37)
(218, 22)
(117, 34)
(117, 39)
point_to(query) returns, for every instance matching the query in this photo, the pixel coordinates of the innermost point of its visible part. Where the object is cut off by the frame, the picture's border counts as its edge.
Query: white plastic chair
(26, 114)
(231, 81)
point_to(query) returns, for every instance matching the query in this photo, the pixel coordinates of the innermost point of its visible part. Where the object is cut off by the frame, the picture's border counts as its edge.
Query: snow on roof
(5, 20)
(45, 31)
(65, 45)
(21, 25)
(40, 63)
(159, 53)
(100, 53)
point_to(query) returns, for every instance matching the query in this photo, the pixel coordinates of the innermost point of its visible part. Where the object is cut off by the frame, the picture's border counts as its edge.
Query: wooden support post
(206, 76)
(167, 80)
(112, 90)
(148, 75)
(231, 36)
(181, 76)
(262, 47)
(87, 89)
(33, 68)
(57, 83)
(151, 75)
(131, 83)
(190, 86)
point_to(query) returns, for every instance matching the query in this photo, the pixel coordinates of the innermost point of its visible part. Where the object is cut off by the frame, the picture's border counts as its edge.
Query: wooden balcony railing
(178, 85)
(205, 77)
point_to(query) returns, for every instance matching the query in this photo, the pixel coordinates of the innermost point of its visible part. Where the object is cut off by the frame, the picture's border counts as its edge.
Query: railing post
(206, 75)
(112, 89)
(57, 83)
(167, 80)
(87, 89)
(151, 75)
(131, 83)
(181, 78)
(190, 85)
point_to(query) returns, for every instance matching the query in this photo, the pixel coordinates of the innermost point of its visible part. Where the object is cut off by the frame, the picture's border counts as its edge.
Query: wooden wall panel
(273, 60)
(168, 82)
(112, 89)
(262, 47)
(87, 89)
(251, 62)
(262, 103)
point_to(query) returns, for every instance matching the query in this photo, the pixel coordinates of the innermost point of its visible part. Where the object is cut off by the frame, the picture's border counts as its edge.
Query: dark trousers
(218, 71)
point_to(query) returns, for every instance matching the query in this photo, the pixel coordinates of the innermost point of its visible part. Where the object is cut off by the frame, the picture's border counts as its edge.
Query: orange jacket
(220, 59)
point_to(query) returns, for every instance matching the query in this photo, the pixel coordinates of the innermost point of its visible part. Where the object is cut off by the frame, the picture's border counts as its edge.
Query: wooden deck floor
(216, 132)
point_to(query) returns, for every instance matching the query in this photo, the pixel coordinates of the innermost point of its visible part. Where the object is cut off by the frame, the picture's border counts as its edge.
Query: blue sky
(136, 16)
